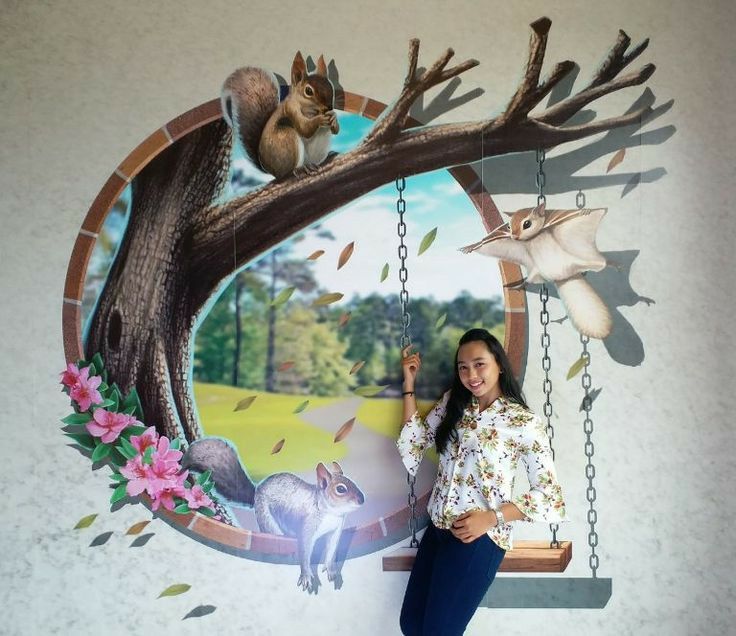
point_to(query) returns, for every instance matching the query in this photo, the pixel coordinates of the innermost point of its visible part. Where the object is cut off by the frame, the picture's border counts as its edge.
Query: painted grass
(256, 430)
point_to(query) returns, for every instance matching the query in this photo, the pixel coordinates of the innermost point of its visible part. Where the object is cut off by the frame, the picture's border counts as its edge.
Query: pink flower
(108, 425)
(137, 473)
(142, 442)
(165, 454)
(70, 377)
(165, 496)
(196, 497)
(85, 392)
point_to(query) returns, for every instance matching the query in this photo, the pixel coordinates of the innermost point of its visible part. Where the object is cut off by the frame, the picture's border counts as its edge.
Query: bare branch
(617, 60)
(393, 120)
(550, 135)
(560, 113)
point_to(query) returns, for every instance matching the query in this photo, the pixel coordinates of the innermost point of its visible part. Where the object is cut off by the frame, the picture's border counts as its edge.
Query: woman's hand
(471, 525)
(410, 363)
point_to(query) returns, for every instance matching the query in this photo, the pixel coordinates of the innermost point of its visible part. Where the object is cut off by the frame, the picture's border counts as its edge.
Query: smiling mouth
(475, 385)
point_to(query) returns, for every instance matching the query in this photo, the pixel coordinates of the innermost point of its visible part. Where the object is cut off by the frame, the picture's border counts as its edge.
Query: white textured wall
(84, 82)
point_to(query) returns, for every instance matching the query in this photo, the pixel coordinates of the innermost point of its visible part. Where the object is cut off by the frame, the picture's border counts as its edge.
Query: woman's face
(478, 370)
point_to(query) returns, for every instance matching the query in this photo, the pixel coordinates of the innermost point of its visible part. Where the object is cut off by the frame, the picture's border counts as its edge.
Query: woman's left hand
(471, 525)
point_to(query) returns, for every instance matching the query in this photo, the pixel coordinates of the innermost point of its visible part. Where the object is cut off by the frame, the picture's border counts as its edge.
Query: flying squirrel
(556, 246)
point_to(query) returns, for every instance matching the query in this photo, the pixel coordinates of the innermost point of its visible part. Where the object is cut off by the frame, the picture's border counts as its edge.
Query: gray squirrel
(284, 504)
(286, 137)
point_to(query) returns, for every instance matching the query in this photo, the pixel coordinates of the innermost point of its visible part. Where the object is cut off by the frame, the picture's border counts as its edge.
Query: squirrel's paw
(334, 577)
(309, 583)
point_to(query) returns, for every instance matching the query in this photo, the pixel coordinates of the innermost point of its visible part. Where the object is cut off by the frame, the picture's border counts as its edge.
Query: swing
(526, 556)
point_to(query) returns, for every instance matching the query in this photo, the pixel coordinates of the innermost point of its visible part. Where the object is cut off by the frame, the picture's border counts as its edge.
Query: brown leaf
(357, 367)
(345, 255)
(328, 299)
(137, 528)
(285, 366)
(617, 159)
(315, 255)
(245, 403)
(344, 319)
(344, 430)
(278, 446)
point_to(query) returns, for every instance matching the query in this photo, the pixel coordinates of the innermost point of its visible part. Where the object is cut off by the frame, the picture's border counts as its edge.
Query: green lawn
(256, 430)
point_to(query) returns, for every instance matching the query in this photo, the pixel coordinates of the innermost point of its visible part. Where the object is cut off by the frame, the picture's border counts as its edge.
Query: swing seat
(527, 556)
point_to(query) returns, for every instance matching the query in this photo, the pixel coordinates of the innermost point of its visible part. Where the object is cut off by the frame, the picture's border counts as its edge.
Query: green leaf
(282, 296)
(118, 477)
(301, 407)
(127, 449)
(207, 512)
(97, 361)
(384, 272)
(83, 439)
(103, 386)
(369, 390)
(148, 456)
(174, 590)
(102, 451)
(175, 444)
(576, 367)
(182, 509)
(427, 241)
(135, 430)
(327, 299)
(77, 418)
(244, 403)
(106, 403)
(92, 369)
(132, 400)
(440, 321)
(119, 493)
(202, 479)
(85, 522)
(117, 458)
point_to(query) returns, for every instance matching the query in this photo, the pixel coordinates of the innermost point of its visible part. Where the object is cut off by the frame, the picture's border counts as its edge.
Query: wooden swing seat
(527, 556)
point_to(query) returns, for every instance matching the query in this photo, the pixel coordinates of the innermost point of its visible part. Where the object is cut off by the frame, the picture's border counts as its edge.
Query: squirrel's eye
(308, 91)
(527, 224)
(341, 489)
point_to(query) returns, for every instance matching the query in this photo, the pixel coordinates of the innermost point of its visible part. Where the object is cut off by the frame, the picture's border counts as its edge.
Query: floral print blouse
(477, 471)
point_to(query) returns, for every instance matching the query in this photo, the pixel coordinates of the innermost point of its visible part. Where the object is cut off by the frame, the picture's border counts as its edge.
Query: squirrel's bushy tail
(231, 480)
(587, 311)
(249, 96)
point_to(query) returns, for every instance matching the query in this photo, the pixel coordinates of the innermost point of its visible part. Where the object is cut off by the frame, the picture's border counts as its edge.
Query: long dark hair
(460, 396)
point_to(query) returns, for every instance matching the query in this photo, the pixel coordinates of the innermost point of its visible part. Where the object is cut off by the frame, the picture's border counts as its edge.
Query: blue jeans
(447, 583)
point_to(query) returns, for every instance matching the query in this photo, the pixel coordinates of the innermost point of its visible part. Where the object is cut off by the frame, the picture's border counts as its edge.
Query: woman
(481, 428)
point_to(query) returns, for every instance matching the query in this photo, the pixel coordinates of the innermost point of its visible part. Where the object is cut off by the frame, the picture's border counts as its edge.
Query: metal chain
(405, 338)
(590, 493)
(541, 178)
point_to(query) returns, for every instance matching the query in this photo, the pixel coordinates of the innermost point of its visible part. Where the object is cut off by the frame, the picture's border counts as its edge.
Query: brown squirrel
(284, 503)
(282, 137)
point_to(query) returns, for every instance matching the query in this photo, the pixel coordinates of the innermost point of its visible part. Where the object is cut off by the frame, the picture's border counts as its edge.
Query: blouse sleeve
(543, 501)
(417, 434)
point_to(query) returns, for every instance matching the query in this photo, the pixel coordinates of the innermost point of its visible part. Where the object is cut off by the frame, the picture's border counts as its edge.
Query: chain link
(590, 492)
(405, 338)
(541, 178)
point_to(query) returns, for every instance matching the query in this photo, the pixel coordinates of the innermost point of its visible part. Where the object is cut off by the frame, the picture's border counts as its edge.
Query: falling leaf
(283, 296)
(278, 446)
(301, 407)
(345, 255)
(344, 430)
(427, 241)
(100, 539)
(315, 255)
(357, 367)
(86, 522)
(328, 299)
(344, 319)
(175, 590)
(285, 366)
(617, 159)
(199, 611)
(244, 403)
(384, 272)
(440, 321)
(369, 390)
(137, 528)
(576, 367)
(592, 396)
(633, 182)
(142, 540)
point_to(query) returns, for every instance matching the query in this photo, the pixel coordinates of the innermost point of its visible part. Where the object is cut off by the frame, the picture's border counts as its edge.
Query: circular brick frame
(255, 545)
